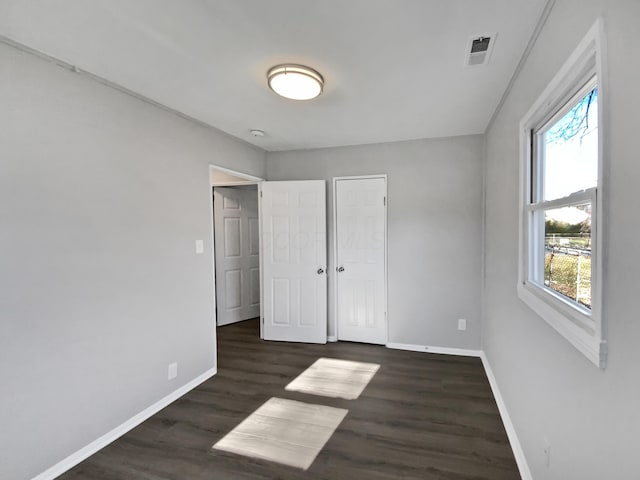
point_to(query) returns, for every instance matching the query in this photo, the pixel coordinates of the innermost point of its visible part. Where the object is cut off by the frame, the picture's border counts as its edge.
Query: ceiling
(394, 69)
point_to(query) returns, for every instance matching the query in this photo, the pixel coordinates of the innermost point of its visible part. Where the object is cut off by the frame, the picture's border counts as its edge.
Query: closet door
(237, 251)
(360, 225)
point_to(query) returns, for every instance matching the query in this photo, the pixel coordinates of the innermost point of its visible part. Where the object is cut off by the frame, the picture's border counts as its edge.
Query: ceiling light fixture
(296, 82)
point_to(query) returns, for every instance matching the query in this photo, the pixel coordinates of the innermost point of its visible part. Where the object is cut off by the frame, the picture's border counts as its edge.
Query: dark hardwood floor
(423, 416)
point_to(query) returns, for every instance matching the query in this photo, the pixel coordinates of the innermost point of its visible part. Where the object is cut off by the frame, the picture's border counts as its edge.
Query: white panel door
(294, 261)
(237, 253)
(360, 259)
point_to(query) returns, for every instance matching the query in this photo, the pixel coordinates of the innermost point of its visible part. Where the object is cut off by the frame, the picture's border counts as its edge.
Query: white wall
(101, 199)
(590, 417)
(434, 229)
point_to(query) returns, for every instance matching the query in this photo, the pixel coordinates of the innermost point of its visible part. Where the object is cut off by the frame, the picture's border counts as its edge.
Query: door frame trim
(335, 250)
(250, 180)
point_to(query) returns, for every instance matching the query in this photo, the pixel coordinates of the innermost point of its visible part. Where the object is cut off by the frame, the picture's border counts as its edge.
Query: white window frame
(581, 326)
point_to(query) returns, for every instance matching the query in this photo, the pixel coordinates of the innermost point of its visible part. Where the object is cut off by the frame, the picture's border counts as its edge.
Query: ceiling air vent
(479, 49)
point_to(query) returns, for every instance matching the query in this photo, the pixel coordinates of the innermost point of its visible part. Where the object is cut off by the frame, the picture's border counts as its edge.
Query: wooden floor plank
(422, 416)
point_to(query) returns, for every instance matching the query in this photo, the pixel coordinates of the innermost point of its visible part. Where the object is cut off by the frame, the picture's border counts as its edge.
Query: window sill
(566, 323)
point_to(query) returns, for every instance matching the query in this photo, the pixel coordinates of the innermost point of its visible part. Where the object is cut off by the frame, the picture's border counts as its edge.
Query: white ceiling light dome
(296, 82)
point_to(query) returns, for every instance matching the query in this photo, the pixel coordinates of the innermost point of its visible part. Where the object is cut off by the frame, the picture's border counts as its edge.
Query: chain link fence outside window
(567, 271)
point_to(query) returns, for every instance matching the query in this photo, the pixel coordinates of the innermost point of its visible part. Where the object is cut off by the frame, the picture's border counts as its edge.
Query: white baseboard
(518, 452)
(85, 452)
(332, 338)
(442, 350)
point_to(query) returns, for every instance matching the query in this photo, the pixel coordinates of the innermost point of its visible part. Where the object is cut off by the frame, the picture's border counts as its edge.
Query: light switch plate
(462, 324)
(199, 246)
(172, 371)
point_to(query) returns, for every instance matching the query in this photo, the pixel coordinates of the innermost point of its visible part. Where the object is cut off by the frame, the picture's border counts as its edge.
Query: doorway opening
(270, 256)
(236, 246)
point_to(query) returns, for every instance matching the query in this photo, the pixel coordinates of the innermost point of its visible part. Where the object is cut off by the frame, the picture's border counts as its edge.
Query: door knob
(320, 271)
(340, 269)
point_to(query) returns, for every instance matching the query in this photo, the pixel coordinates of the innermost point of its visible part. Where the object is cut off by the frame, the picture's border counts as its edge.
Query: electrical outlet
(462, 324)
(172, 371)
(199, 246)
(546, 449)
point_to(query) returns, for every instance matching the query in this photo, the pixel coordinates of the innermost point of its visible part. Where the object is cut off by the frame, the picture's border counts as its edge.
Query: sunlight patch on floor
(284, 431)
(330, 377)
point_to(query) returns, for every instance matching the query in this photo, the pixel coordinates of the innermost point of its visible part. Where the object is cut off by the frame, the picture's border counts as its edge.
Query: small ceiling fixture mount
(296, 82)
(256, 132)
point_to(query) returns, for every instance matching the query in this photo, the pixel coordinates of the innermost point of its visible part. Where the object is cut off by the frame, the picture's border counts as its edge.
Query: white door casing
(237, 251)
(294, 261)
(360, 224)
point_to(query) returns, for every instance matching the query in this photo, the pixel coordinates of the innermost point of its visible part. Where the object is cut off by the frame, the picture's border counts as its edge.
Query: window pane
(570, 157)
(567, 258)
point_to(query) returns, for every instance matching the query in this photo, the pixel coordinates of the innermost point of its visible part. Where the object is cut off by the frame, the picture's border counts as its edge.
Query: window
(561, 201)
(563, 188)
